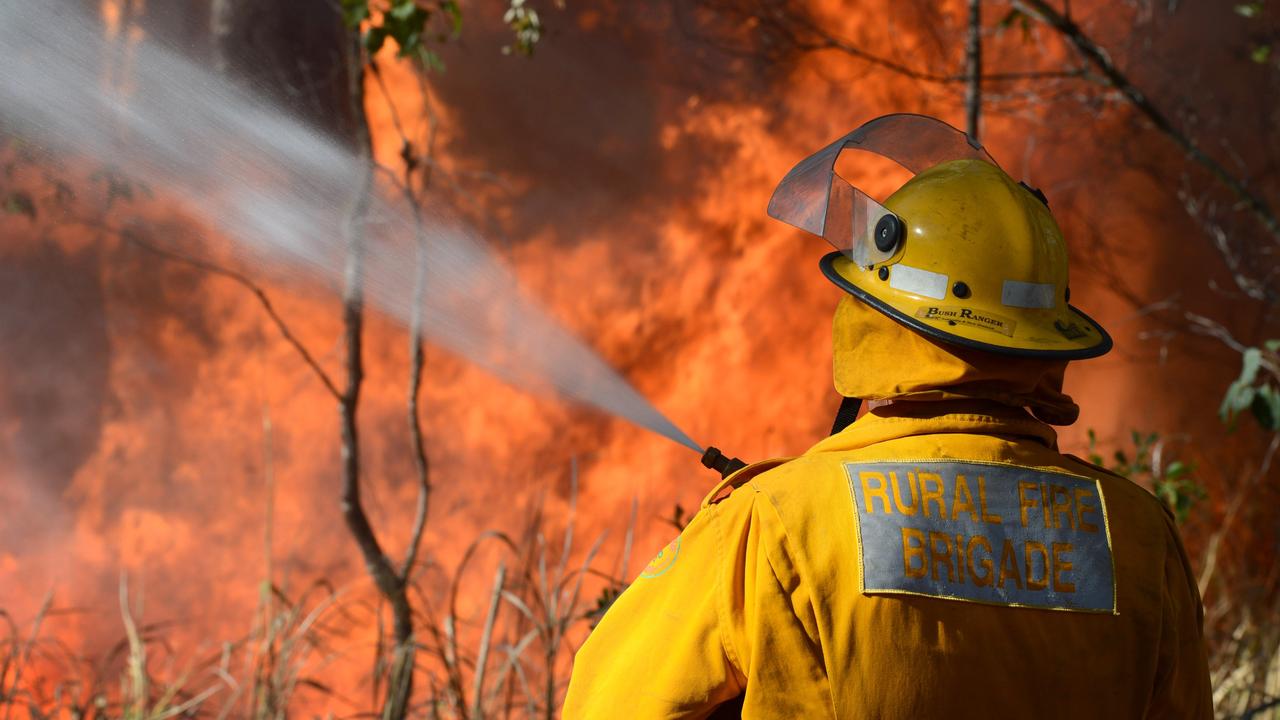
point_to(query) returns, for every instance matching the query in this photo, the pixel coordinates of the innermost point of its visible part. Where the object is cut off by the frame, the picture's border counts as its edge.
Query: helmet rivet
(888, 233)
(884, 273)
(960, 290)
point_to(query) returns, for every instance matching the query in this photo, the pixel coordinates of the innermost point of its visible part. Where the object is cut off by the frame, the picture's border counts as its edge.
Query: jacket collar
(905, 419)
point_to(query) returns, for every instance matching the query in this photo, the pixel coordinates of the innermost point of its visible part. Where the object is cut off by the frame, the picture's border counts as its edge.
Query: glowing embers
(988, 533)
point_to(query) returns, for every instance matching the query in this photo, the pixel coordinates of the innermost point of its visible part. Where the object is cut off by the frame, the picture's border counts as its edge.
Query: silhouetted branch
(1259, 709)
(389, 583)
(258, 292)
(1101, 60)
(790, 29)
(417, 359)
(973, 68)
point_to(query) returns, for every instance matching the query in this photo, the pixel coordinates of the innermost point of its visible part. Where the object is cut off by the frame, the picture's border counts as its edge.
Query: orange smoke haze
(148, 410)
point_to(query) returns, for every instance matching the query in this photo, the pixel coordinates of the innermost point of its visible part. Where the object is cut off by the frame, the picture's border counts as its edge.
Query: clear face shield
(813, 197)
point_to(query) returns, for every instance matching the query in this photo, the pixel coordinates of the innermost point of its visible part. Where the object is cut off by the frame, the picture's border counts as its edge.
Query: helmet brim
(1065, 334)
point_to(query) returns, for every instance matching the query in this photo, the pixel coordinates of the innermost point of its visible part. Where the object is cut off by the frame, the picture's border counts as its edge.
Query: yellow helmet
(961, 253)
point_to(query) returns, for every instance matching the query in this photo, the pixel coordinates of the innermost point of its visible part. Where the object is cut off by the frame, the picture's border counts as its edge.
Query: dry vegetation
(511, 661)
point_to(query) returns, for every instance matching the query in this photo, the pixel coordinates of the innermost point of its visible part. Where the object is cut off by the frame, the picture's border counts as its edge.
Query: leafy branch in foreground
(1257, 388)
(1171, 480)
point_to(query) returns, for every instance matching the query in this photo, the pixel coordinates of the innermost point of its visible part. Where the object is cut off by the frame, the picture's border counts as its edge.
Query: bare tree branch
(791, 29)
(1202, 325)
(379, 567)
(206, 266)
(1212, 548)
(1102, 61)
(973, 68)
(413, 197)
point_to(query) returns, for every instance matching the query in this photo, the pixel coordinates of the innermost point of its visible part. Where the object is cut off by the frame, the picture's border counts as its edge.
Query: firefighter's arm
(1182, 687)
(661, 651)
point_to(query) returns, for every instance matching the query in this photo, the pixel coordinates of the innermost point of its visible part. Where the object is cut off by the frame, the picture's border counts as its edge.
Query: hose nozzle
(717, 461)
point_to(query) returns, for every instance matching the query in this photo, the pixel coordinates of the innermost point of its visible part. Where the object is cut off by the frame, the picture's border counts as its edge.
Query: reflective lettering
(904, 508)
(1061, 565)
(987, 517)
(881, 491)
(940, 556)
(977, 541)
(935, 494)
(1008, 565)
(1026, 503)
(1063, 508)
(1044, 505)
(1037, 548)
(1083, 494)
(969, 531)
(910, 552)
(962, 501)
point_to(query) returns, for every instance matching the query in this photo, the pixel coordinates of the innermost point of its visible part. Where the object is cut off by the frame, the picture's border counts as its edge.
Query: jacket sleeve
(1182, 687)
(660, 651)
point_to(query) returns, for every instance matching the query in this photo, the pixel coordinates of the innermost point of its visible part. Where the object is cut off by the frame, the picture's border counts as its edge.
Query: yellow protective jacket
(788, 596)
(939, 558)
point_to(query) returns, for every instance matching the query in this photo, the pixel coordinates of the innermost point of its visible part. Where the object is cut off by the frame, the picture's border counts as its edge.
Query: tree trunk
(390, 584)
(973, 71)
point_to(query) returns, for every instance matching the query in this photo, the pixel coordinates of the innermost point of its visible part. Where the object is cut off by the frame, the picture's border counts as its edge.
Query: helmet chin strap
(847, 413)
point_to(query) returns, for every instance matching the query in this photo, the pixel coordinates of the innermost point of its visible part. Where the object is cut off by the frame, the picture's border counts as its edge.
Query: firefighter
(938, 557)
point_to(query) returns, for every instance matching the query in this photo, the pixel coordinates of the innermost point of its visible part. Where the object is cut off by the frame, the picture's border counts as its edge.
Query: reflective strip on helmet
(1027, 295)
(921, 282)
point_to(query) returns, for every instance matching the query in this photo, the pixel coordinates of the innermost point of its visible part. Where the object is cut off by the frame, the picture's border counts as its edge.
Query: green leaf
(1272, 345)
(1249, 10)
(453, 12)
(1260, 54)
(1251, 361)
(20, 203)
(355, 12)
(409, 44)
(1179, 495)
(1266, 407)
(403, 10)
(429, 59)
(375, 39)
(1241, 392)
(1239, 396)
(1122, 462)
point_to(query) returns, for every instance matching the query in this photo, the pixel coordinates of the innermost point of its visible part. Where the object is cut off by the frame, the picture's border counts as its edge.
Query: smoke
(283, 192)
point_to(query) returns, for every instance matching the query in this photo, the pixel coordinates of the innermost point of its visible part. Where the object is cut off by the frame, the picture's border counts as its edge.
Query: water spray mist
(280, 189)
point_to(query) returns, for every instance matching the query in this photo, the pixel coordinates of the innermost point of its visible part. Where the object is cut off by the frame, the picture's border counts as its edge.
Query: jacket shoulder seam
(722, 594)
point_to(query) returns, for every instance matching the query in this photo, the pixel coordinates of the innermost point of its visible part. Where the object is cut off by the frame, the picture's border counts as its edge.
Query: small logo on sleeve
(663, 561)
(995, 534)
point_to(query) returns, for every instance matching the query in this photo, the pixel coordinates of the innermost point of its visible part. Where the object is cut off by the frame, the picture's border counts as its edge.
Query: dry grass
(509, 661)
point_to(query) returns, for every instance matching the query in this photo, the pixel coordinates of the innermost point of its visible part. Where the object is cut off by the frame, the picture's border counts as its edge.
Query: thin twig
(1233, 510)
(486, 638)
(128, 235)
(804, 34)
(1100, 59)
(1202, 325)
